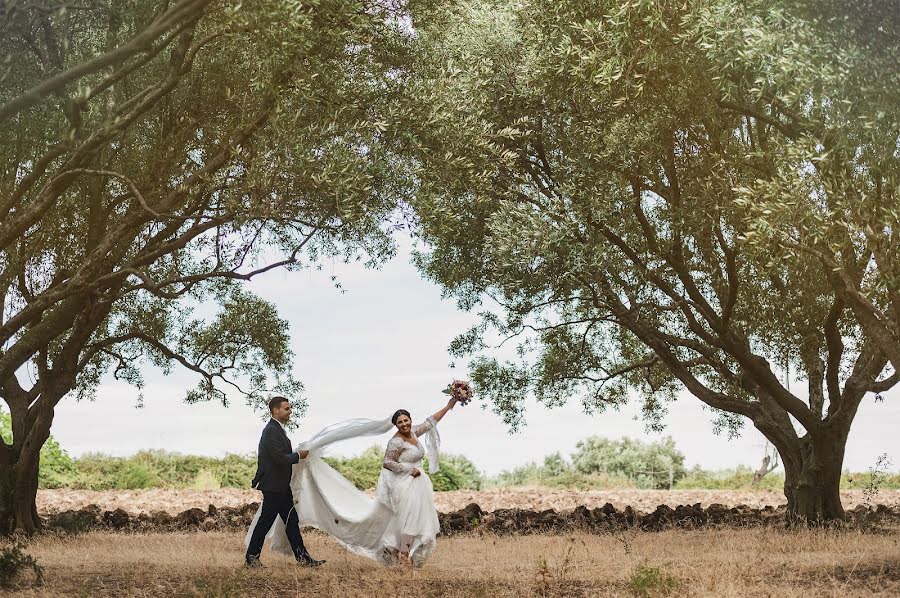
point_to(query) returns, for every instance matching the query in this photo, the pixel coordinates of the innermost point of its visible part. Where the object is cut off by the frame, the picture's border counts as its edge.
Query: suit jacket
(274, 460)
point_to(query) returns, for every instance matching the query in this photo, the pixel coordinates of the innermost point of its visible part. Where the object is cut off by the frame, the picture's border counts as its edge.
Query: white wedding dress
(400, 518)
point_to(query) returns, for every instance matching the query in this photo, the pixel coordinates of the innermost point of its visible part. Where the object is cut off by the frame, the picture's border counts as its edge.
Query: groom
(273, 478)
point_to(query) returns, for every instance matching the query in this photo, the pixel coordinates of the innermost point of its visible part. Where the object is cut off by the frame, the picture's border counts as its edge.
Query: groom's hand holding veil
(303, 453)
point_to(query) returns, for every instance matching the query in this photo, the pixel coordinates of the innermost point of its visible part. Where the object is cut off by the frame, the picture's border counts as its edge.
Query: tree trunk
(7, 494)
(20, 461)
(812, 479)
(18, 496)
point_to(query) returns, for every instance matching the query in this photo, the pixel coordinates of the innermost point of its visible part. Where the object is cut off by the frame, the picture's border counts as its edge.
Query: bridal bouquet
(459, 390)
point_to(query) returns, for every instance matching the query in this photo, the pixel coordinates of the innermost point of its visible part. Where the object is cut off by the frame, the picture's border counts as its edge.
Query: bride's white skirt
(401, 517)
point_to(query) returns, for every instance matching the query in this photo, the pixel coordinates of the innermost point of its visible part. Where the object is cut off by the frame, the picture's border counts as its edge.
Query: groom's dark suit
(273, 477)
(274, 460)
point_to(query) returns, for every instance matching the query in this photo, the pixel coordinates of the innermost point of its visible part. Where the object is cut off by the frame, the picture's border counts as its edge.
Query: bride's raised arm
(438, 415)
(432, 420)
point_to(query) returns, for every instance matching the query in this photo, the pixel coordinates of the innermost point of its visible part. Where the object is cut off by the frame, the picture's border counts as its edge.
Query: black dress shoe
(254, 563)
(307, 561)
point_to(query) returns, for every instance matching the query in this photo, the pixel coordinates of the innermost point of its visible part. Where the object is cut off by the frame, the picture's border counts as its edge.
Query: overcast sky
(380, 346)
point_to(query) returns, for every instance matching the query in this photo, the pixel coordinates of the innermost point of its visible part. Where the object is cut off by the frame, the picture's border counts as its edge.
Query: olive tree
(154, 155)
(654, 196)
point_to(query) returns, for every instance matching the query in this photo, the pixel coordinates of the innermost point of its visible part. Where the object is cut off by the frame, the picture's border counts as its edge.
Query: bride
(400, 523)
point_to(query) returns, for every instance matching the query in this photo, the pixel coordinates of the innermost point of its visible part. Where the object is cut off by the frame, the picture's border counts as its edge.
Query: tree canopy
(658, 196)
(155, 155)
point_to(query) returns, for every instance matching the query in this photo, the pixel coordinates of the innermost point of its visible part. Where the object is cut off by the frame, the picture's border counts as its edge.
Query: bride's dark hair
(397, 415)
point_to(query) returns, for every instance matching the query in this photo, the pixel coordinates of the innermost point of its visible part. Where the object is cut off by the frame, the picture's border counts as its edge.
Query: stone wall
(472, 518)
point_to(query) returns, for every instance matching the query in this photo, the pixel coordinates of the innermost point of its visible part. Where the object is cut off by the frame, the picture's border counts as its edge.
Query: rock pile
(92, 517)
(471, 518)
(609, 519)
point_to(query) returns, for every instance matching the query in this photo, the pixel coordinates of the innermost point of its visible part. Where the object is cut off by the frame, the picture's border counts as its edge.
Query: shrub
(235, 471)
(96, 472)
(172, 470)
(5, 427)
(363, 470)
(739, 478)
(456, 472)
(464, 471)
(597, 464)
(646, 581)
(524, 475)
(206, 480)
(533, 474)
(444, 479)
(555, 466)
(162, 469)
(14, 562)
(57, 468)
(648, 465)
(868, 479)
(135, 476)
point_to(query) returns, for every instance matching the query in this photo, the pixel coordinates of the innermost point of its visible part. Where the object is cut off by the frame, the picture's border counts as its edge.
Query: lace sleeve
(392, 456)
(424, 427)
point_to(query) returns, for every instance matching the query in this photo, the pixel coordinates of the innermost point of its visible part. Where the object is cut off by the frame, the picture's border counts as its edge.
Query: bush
(206, 480)
(465, 472)
(524, 475)
(646, 581)
(555, 466)
(456, 472)
(57, 469)
(598, 464)
(865, 481)
(533, 474)
(14, 562)
(97, 472)
(152, 469)
(363, 470)
(135, 476)
(739, 478)
(648, 465)
(444, 479)
(234, 471)
(160, 469)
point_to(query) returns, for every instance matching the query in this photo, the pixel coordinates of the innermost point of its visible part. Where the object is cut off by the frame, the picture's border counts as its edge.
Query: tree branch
(183, 10)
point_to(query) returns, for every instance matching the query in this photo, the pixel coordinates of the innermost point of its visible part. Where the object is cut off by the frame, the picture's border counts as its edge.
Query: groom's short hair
(275, 402)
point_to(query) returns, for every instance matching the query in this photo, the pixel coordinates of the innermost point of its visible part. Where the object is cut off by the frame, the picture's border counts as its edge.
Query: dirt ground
(702, 563)
(743, 561)
(175, 501)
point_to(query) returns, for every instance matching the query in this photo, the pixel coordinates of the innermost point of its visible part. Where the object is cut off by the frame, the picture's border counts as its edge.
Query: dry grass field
(730, 562)
(708, 562)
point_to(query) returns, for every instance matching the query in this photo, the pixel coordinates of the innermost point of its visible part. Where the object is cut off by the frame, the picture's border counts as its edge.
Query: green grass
(646, 581)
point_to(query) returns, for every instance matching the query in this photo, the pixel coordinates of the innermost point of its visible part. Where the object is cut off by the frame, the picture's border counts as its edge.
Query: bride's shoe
(390, 556)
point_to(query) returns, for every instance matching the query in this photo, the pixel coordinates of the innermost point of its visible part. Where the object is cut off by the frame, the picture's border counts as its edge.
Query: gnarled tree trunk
(19, 466)
(7, 494)
(18, 493)
(813, 477)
